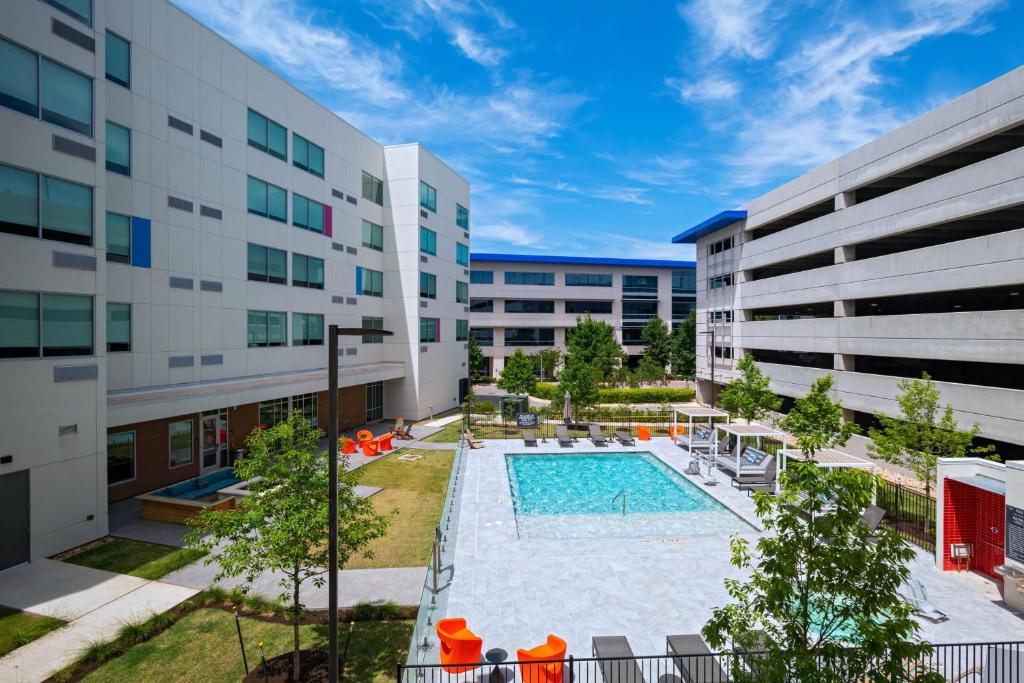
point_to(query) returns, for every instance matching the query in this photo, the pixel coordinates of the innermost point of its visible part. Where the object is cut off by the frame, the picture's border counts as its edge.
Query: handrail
(622, 493)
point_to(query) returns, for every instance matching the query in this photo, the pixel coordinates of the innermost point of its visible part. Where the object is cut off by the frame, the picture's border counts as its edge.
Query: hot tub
(177, 502)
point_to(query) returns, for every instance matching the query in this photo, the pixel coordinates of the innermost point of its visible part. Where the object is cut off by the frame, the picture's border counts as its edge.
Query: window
(723, 352)
(462, 254)
(720, 246)
(19, 80)
(370, 323)
(307, 213)
(516, 277)
(67, 325)
(268, 136)
(373, 236)
(19, 324)
(268, 200)
(720, 316)
(307, 271)
(307, 156)
(120, 457)
(373, 189)
(481, 277)
(461, 292)
(66, 97)
(267, 264)
(66, 207)
(529, 306)
(79, 9)
(684, 281)
(19, 201)
(119, 327)
(306, 406)
(681, 307)
(119, 238)
(118, 60)
(369, 282)
(179, 440)
(529, 336)
(307, 329)
(428, 197)
(374, 401)
(461, 330)
(119, 149)
(720, 281)
(632, 336)
(430, 330)
(588, 280)
(267, 328)
(481, 306)
(595, 307)
(462, 216)
(639, 311)
(428, 241)
(483, 336)
(428, 285)
(273, 412)
(640, 284)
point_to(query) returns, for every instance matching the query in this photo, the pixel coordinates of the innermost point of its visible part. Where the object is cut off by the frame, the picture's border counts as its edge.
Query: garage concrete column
(846, 254)
(845, 200)
(843, 362)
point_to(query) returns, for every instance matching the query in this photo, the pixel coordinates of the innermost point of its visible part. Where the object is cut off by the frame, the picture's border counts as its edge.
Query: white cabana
(740, 431)
(687, 440)
(828, 458)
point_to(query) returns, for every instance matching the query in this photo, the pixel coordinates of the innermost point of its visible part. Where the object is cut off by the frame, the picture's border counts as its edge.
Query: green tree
(816, 421)
(818, 582)
(517, 376)
(593, 342)
(547, 361)
(282, 525)
(477, 362)
(658, 343)
(648, 370)
(577, 378)
(923, 433)
(749, 396)
(684, 347)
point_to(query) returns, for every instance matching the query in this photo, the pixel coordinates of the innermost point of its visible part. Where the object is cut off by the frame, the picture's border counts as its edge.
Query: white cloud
(662, 171)
(737, 28)
(508, 233)
(474, 46)
(710, 89)
(628, 195)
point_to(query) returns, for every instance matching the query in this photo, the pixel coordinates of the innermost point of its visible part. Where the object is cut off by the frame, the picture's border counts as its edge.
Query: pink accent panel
(437, 329)
(328, 222)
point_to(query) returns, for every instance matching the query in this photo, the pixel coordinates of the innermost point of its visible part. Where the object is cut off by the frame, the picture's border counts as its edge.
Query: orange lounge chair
(364, 435)
(545, 664)
(643, 433)
(459, 646)
(347, 445)
(370, 448)
(384, 442)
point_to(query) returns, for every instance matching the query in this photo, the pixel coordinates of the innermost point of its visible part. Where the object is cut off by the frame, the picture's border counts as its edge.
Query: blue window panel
(359, 280)
(141, 256)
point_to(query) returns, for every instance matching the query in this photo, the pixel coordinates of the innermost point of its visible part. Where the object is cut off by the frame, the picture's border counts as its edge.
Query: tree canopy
(517, 377)
(816, 421)
(477, 361)
(593, 342)
(658, 343)
(749, 396)
(577, 377)
(684, 347)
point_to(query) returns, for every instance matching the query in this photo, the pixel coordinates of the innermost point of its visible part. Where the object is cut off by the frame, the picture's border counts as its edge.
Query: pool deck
(513, 591)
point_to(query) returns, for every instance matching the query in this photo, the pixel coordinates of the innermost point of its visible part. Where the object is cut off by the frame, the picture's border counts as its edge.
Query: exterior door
(215, 439)
(14, 544)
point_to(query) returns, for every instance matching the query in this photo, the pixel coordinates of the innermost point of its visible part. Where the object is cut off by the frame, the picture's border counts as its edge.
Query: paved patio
(514, 592)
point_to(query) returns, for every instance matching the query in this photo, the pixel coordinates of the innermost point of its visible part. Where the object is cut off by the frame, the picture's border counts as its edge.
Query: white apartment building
(528, 302)
(178, 228)
(903, 256)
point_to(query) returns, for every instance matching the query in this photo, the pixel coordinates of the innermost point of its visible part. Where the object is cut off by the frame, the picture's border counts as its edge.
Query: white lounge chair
(913, 592)
(702, 439)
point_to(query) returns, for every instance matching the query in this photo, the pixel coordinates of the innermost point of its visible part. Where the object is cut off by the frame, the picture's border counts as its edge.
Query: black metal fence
(506, 426)
(996, 662)
(909, 513)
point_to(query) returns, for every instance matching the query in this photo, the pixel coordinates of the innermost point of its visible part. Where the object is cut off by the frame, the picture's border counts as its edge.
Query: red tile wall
(977, 516)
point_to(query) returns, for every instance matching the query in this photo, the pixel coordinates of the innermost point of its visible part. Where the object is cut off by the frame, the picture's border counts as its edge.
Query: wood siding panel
(351, 407)
(152, 453)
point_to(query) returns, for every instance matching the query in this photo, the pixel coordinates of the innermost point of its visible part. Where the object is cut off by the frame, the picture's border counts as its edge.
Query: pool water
(561, 495)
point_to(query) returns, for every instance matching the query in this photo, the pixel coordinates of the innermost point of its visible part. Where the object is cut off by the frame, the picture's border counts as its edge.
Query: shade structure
(826, 458)
(689, 413)
(755, 430)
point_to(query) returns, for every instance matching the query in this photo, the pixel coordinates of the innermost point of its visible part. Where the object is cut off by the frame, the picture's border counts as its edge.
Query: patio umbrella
(567, 408)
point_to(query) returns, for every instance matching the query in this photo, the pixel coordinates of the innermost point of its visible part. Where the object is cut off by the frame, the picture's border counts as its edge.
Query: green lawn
(416, 488)
(202, 647)
(144, 560)
(448, 434)
(20, 628)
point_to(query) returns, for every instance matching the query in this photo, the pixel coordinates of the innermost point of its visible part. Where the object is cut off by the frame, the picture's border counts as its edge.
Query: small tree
(648, 370)
(684, 347)
(577, 377)
(517, 376)
(547, 361)
(923, 432)
(477, 361)
(282, 525)
(749, 395)
(816, 421)
(658, 343)
(593, 342)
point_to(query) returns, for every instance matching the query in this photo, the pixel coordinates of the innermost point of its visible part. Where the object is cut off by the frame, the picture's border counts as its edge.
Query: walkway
(95, 603)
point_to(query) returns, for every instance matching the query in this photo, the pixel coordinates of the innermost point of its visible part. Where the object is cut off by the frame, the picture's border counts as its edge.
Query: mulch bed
(312, 667)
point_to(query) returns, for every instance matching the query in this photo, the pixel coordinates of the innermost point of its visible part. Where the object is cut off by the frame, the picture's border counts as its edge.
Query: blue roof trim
(713, 224)
(580, 260)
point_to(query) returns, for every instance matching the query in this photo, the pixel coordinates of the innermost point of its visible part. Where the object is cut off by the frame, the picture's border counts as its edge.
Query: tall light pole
(711, 358)
(333, 332)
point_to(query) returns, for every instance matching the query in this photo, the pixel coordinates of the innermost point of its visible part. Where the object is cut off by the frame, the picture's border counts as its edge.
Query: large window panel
(461, 292)
(462, 254)
(267, 328)
(307, 271)
(119, 327)
(179, 442)
(19, 79)
(520, 277)
(307, 156)
(588, 280)
(428, 285)
(481, 277)
(67, 211)
(373, 236)
(429, 330)
(19, 324)
(120, 457)
(462, 216)
(119, 149)
(267, 135)
(428, 197)
(66, 97)
(428, 241)
(118, 60)
(307, 213)
(19, 201)
(67, 325)
(307, 329)
(461, 330)
(373, 189)
(267, 200)
(372, 323)
(119, 238)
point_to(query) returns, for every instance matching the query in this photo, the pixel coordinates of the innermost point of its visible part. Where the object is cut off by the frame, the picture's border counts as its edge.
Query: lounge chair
(913, 592)
(400, 430)
(694, 659)
(751, 653)
(471, 440)
(618, 664)
(625, 438)
(460, 647)
(597, 436)
(872, 517)
(543, 664)
(529, 438)
(562, 434)
(701, 439)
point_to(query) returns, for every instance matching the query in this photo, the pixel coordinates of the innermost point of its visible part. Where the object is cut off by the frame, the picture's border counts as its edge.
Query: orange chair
(364, 435)
(459, 646)
(384, 442)
(643, 433)
(347, 445)
(370, 448)
(545, 662)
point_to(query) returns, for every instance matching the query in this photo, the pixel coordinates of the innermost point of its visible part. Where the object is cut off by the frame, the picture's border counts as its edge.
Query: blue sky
(591, 128)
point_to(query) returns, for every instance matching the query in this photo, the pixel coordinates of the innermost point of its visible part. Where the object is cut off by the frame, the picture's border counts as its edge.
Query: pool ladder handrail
(622, 493)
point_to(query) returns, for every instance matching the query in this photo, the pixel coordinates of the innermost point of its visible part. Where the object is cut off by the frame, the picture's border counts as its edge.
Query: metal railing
(995, 662)
(909, 513)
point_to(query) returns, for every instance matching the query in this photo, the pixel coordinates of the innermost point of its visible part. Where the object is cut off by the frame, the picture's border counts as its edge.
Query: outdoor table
(496, 656)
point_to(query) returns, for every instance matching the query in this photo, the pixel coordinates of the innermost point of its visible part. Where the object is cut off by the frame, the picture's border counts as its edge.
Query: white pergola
(691, 412)
(748, 430)
(828, 458)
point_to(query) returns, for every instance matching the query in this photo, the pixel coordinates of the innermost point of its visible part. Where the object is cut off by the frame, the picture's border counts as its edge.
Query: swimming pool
(562, 495)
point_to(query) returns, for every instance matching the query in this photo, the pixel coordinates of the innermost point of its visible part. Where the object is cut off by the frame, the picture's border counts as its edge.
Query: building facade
(528, 302)
(903, 256)
(178, 228)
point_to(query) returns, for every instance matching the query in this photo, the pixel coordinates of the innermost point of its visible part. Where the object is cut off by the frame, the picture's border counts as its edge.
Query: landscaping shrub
(546, 390)
(376, 611)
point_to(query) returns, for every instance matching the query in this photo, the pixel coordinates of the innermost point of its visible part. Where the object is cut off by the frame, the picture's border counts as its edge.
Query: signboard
(1014, 533)
(527, 420)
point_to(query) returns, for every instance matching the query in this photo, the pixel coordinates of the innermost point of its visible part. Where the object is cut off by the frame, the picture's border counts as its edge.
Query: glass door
(215, 439)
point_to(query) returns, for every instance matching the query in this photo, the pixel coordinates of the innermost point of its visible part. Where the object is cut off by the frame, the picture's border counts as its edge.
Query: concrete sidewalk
(95, 604)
